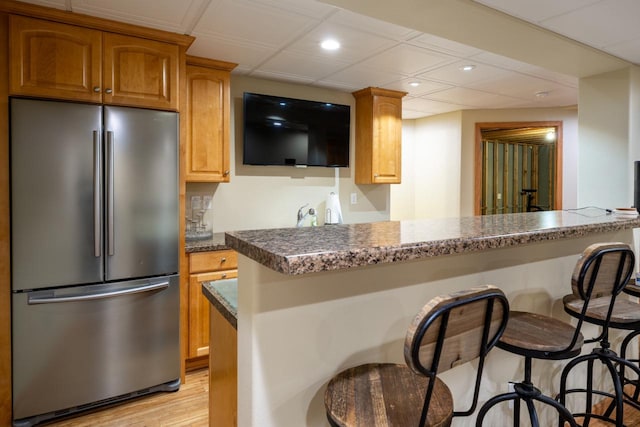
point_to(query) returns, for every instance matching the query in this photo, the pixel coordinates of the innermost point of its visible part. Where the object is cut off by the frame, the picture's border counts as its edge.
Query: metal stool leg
(527, 392)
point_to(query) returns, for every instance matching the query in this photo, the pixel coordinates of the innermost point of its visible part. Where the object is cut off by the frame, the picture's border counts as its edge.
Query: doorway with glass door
(518, 167)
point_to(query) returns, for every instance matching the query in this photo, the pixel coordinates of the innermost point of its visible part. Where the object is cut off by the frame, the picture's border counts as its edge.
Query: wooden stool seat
(541, 337)
(393, 393)
(625, 313)
(449, 330)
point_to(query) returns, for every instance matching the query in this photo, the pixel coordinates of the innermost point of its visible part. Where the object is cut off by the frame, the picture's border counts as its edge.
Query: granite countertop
(215, 243)
(223, 295)
(304, 250)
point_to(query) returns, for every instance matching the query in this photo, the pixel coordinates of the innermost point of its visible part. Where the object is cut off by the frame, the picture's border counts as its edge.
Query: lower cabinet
(204, 267)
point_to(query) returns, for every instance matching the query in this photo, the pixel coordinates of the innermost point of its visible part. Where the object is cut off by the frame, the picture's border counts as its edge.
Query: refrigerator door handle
(97, 194)
(110, 197)
(110, 294)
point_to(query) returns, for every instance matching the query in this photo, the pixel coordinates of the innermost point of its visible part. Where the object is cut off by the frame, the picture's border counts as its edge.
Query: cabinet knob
(224, 275)
(223, 260)
(96, 89)
(109, 91)
(226, 173)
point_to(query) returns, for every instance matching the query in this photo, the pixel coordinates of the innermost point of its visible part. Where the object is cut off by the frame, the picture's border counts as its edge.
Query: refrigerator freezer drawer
(79, 345)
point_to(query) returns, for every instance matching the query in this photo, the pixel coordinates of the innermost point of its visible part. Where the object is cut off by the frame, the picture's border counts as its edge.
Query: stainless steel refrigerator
(94, 256)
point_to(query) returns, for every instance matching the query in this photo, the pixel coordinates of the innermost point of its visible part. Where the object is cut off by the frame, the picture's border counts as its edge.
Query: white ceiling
(279, 39)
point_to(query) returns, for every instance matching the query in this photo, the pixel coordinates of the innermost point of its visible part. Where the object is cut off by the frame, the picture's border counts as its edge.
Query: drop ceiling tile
(311, 8)
(301, 66)
(355, 44)
(536, 11)
(439, 44)
(167, 15)
(424, 87)
(453, 74)
(520, 86)
(371, 25)
(344, 87)
(251, 23)
(286, 77)
(407, 60)
(474, 98)
(524, 68)
(247, 55)
(431, 106)
(361, 77)
(629, 49)
(600, 24)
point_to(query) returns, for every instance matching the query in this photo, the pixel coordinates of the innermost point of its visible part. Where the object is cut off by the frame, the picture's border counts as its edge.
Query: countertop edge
(333, 260)
(220, 303)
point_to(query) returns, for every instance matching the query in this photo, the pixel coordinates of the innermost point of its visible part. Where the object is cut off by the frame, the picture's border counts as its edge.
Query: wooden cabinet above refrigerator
(57, 60)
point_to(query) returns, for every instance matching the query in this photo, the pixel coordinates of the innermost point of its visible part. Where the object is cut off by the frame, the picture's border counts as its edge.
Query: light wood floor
(188, 406)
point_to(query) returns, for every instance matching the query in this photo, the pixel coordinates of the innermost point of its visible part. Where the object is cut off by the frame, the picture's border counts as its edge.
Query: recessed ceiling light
(542, 94)
(330, 44)
(467, 67)
(414, 84)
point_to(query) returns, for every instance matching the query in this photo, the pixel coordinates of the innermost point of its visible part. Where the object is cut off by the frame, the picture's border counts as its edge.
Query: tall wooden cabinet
(378, 136)
(62, 61)
(208, 120)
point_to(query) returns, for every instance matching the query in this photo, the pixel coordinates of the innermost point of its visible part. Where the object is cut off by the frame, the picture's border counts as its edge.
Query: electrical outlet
(354, 198)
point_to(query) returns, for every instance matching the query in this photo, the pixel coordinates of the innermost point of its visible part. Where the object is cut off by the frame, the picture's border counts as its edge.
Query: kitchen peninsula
(313, 301)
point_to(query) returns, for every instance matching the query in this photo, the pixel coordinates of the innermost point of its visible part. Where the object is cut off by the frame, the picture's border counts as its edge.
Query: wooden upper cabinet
(378, 136)
(208, 120)
(54, 60)
(140, 72)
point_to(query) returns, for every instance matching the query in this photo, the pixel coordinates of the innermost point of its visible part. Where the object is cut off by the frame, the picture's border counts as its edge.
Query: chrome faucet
(302, 215)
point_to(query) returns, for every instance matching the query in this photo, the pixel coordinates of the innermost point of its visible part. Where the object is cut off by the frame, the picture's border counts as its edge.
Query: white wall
(439, 160)
(604, 120)
(269, 196)
(634, 125)
(431, 153)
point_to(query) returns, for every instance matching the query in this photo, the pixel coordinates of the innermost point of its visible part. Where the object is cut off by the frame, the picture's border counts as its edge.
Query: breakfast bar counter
(314, 301)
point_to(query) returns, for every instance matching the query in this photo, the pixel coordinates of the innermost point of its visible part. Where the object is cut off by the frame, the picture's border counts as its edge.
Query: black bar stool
(632, 323)
(600, 276)
(535, 336)
(448, 331)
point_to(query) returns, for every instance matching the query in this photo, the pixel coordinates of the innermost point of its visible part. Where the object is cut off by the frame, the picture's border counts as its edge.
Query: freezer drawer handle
(145, 288)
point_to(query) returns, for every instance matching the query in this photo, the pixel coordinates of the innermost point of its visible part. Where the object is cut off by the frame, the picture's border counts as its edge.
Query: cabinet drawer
(212, 261)
(215, 275)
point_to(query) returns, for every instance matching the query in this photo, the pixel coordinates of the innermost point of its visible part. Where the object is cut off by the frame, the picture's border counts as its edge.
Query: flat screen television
(282, 131)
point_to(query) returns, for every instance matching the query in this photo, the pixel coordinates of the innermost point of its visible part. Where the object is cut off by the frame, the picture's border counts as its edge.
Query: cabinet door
(54, 60)
(208, 120)
(140, 72)
(387, 136)
(199, 311)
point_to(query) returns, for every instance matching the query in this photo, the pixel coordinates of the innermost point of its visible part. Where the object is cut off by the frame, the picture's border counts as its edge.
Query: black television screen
(295, 132)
